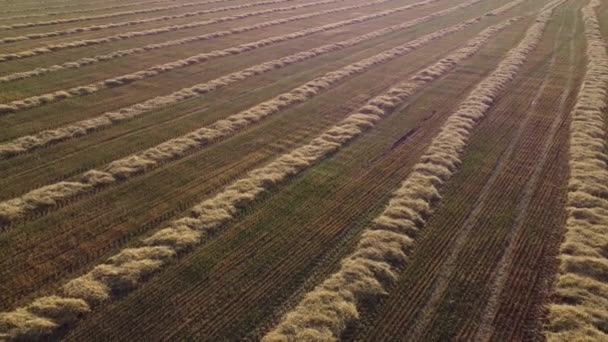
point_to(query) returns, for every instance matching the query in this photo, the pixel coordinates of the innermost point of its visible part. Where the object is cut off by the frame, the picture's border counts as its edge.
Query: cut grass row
(143, 49)
(167, 82)
(16, 8)
(160, 126)
(578, 305)
(224, 127)
(468, 289)
(34, 14)
(148, 202)
(386, 246)
(83, 90)
(128, 268)
(56, 40)
(204, 39)
(141, 162)
(79, 29)
(82, 128)
(28, 30)
(486, 198)
(107, 15)
(303, 218)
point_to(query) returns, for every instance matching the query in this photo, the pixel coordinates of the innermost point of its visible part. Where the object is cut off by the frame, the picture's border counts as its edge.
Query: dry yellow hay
(129, 166)
(81, 29)
(84, 127)
(41, 317)
(579, 308)
(134, 34)
(384, 247)
(51, 14)
(86, 61)
(39, 100)
(124, 271)
(112, 15)
(41, 7)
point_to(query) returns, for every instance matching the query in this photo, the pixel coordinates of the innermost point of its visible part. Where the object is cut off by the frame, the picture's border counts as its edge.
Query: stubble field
(303, 170)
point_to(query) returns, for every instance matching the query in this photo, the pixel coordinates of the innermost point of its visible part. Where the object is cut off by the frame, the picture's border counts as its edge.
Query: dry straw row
(39, 100)
(42, 7)
(134, 34)
(86, 61)
(14, 3)
(579, 308)
(84, 127)
(78, 30)
(111, 15)
(51, 14)
(126, 270)
(384, 247)
(127, 167)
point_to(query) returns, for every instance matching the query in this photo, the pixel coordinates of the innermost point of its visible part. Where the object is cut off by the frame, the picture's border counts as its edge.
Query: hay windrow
(77, 30)
(384, 247)
(136, 164)
(84, 127)
(39, 100)
(50, 14)
(134, 34)
(111, 15)
(40, 7)
(127, 269)
(86, 61)
(579, 307)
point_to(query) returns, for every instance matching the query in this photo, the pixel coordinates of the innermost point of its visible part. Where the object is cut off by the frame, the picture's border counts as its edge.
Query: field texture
(304, 170)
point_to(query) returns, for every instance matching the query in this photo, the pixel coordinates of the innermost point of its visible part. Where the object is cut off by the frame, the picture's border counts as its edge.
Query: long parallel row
(51, 14)
(129, 35)
(580, 301)
(39, 100)
(84, 127)
(383, 250)
(43, 8)
(77, 30)
(144, 161)
(86, 61)
(127, 269)
(108, 15)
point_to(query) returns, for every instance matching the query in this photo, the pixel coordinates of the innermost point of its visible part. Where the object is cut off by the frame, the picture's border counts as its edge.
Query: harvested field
(303, 170)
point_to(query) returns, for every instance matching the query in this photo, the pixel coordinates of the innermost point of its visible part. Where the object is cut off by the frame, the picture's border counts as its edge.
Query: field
(303, 170)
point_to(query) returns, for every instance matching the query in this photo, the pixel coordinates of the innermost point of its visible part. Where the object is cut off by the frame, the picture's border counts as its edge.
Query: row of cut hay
(384, 247)
(39, 100)
(135, 34)
(86, 61)
(579, 307)
(126, 270)
(43, 7)
(127, 167)
(30, 142)
(55, 7)
(78, 30)
(109, 15)
(51, 14)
